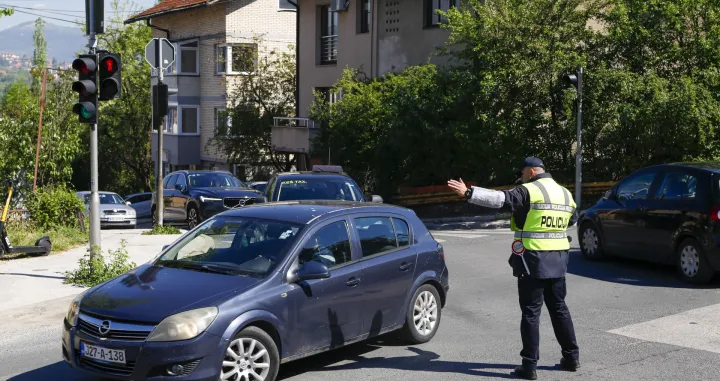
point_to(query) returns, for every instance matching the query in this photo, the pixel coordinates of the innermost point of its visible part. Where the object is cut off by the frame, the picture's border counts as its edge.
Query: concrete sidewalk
(34, 280)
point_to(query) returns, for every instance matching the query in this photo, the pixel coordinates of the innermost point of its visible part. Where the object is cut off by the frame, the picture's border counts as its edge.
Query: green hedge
(54, 206)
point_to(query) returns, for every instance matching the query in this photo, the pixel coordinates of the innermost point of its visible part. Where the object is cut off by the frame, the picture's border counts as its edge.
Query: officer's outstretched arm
(488, 198)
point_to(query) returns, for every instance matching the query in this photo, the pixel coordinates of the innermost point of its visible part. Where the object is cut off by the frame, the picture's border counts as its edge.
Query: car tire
(425, 308)
(591, 244)
(193, 218)
(258, 353)
(692, 265)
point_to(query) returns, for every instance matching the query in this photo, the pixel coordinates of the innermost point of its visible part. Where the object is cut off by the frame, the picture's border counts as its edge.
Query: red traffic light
(108, 66)
(84, 65)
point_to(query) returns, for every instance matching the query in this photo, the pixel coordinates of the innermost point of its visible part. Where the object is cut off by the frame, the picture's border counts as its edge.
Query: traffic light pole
(94, 196)
(578, 152)
(160, 199)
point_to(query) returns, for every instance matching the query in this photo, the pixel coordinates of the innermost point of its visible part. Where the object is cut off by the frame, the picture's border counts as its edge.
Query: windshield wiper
(199, 267)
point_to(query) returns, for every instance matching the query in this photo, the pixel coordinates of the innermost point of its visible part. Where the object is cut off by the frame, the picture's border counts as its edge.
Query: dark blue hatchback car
(255, 287)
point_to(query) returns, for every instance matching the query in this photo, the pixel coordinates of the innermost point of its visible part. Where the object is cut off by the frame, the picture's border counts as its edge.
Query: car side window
(171, 182)
(180, 180)
(635, 188)
(376, 235)
(270, 188)
(146, 197)
(166, 181)
(330, 245)
(677, 186)
(402, 231)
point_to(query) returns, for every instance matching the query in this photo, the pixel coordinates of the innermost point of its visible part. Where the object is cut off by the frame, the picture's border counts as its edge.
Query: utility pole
(39, 138)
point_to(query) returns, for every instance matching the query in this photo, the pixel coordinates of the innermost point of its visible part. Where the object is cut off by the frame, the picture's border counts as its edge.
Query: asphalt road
(633, 321)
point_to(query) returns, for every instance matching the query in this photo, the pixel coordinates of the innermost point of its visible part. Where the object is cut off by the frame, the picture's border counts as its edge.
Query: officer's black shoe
(526, 372)
(569, 365)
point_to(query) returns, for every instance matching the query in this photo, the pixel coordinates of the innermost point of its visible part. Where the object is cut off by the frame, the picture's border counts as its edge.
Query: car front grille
(234, 202)
(115, 212)
(90, 326)
(119, 369)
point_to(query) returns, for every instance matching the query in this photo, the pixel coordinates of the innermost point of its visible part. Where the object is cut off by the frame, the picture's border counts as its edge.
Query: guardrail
(448, 196)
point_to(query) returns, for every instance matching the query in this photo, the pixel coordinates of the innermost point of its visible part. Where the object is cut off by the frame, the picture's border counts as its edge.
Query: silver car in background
(114, 211)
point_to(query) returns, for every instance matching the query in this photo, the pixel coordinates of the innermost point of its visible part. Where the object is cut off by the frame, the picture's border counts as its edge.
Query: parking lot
(633, 321)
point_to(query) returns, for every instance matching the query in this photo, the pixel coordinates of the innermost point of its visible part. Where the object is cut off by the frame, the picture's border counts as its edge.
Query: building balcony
(293, 135)
(328, 49)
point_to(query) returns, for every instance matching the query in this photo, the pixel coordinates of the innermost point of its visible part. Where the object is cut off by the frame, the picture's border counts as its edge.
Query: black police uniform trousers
(532, 291)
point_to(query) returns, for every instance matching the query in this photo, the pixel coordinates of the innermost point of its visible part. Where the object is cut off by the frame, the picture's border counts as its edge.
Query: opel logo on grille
(104, 328)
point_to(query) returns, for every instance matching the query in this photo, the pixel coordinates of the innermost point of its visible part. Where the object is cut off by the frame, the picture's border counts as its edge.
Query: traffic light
(86, 87)
(571, 80)
(110, 70)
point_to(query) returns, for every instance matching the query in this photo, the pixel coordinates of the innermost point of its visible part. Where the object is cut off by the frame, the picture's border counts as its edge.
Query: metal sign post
(92, 23)
(160, 54)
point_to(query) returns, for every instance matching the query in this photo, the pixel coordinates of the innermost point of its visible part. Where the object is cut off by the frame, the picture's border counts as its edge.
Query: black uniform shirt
(542, 264)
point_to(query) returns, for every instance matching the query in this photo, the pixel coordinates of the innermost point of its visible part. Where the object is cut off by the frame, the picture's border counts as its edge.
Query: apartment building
(215, 42)
(375, 36)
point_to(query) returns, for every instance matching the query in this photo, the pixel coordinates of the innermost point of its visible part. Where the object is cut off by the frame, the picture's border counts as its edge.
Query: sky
(60, 9)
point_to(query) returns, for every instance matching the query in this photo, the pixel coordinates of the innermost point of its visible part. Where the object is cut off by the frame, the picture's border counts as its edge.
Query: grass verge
(162, 230)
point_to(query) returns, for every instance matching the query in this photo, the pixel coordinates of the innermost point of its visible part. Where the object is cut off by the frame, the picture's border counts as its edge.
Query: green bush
(162, 230)
(96, 269)
(54, 206)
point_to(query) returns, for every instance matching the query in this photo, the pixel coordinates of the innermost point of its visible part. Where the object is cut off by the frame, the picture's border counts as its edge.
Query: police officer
(542, 210)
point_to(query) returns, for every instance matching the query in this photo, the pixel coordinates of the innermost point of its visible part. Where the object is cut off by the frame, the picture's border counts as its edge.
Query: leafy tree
(255, 99)
(6, 12)
(39, 54)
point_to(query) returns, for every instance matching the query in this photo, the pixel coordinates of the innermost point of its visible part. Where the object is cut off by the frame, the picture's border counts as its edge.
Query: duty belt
(533, 235)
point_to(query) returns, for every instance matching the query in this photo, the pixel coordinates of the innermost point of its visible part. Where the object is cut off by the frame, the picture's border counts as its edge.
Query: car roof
(88, 192)
(305, 211)
(308, 174)
(712, 166)
(192, 171)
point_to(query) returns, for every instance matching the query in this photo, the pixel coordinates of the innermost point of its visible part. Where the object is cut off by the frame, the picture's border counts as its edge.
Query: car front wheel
(692, 265)
(423, 316)
(251, 356)
(192, 218)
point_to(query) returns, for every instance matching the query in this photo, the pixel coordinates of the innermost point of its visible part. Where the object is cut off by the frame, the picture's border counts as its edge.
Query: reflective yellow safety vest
(551, 207)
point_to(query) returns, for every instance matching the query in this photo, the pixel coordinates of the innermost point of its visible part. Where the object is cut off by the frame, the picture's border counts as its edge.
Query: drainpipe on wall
(167, 32)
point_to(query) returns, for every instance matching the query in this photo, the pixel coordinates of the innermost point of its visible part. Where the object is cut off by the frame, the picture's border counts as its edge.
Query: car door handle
(405, 266)
(352, 282)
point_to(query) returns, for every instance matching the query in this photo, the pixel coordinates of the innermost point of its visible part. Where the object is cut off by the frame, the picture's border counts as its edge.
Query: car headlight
(185, 325)
(209, 199)
(74, 309)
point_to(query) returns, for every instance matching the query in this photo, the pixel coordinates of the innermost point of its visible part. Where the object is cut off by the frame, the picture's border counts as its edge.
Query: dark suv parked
(665, 213)
(193, 196)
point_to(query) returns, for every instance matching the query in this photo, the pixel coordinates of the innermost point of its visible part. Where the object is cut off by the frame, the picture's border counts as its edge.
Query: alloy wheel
(590, 242)
(425, 313)
(192, 218)
(689, 261)
(246, 359)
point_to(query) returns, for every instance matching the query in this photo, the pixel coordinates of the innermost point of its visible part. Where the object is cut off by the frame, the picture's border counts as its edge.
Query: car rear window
(320, 188)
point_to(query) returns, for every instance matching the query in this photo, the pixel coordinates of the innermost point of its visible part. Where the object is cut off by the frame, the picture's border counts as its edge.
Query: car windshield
(319, 188)
(234, 246)
(213, 180)
(106, 198)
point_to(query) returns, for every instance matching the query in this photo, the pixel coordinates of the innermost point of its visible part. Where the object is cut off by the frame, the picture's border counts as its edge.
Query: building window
(171, 121)
(190, 120)
(365, 16)
(236, 58)
(328, 35)
(330, 96)
(285, 5)
(432, 6)
(187, 58)
(224, 120)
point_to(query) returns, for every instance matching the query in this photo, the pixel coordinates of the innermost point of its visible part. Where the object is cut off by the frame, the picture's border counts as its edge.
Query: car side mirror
(181, 188)
(376, 198)
(312, 270)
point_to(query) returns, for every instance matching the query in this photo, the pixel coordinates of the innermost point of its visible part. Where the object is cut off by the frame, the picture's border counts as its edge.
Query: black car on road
(194, 196)
(324, 182)
(665, 213)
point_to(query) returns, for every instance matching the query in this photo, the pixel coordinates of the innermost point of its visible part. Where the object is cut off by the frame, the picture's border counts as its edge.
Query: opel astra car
(665, 214)
(251, 288)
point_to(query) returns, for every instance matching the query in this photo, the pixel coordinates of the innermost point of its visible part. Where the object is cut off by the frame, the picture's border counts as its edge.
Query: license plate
(102, 354)
(116, 219)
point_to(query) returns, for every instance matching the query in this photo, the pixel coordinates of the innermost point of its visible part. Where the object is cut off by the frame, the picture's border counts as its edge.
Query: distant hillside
(62, 42)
